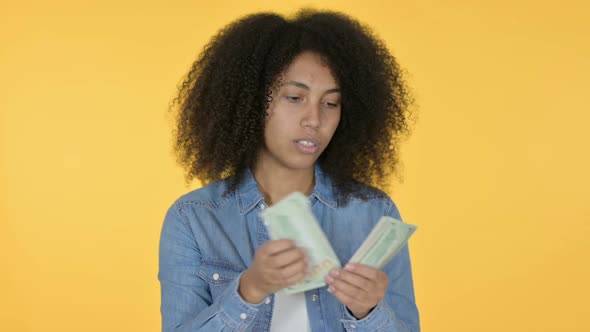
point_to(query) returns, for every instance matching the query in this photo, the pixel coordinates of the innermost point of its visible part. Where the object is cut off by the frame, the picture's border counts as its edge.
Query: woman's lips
(307, 146)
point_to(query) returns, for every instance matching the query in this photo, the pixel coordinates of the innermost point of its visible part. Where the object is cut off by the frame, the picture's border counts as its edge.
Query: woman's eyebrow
(306, 87)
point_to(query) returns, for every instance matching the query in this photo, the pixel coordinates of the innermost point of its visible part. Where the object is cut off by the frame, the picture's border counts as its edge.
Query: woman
(313, 104)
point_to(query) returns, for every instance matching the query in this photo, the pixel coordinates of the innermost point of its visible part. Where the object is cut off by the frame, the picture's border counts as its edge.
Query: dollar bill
(292, 218)
(384, 242)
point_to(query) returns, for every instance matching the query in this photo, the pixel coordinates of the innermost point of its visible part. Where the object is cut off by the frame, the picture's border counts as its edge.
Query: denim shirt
(209, 239)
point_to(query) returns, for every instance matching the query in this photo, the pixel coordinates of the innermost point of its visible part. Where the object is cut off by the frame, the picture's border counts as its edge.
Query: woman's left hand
(359, 287)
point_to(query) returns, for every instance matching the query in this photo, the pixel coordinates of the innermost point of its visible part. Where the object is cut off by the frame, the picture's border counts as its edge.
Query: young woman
(313, 104)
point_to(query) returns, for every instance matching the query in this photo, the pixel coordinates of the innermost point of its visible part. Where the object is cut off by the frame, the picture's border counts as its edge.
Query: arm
(397, 311)
(187, 304)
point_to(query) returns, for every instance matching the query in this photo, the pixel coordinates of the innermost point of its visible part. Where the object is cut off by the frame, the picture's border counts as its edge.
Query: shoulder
(341, 194)
(212, 196)
(369, 197)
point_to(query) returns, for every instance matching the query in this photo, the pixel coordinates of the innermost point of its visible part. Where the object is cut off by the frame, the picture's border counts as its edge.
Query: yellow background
(496, 173)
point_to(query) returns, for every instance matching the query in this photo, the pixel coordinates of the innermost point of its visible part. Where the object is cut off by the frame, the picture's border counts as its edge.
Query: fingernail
(329, 279)
(349, 267)
(335, 273)
(331, 289)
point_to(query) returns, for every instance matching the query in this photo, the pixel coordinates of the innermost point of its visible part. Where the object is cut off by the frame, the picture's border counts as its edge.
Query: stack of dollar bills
(292, 218)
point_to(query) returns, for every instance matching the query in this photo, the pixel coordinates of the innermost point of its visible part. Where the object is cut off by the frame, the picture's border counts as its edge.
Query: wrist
(359, 314)
(248, 291)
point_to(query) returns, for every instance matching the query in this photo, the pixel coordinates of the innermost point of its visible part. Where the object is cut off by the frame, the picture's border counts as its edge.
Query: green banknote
(292, 218)
(384, 242)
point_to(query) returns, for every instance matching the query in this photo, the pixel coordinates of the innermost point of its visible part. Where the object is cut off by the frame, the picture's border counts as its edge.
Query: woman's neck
(275, 182)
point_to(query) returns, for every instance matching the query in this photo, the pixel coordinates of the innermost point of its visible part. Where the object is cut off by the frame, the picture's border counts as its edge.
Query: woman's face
(303, 114)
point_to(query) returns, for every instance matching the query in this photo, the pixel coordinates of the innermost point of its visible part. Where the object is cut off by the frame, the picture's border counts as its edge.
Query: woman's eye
(330, 104)
(293, 99)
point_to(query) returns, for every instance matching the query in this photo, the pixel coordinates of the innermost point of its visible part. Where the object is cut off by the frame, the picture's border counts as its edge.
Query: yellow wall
(496, 173)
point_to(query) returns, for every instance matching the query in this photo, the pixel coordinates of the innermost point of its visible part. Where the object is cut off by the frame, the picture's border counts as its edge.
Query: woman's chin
(301, 163)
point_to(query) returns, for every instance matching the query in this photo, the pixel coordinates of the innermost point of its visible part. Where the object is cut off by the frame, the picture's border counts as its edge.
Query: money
(292, 219)
(385, 240)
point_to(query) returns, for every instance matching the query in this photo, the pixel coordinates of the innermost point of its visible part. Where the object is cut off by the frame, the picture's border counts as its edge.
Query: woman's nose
(312, 117)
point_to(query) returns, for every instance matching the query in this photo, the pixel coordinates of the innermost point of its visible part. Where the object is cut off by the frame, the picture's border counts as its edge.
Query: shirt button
(262, 206)
(314, 297)
(352, 326)
(243, 316)
(267, 300)
(215, 276)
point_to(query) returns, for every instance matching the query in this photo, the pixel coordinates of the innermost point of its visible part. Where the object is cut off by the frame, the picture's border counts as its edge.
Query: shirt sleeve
(397, 312)
(187, 304)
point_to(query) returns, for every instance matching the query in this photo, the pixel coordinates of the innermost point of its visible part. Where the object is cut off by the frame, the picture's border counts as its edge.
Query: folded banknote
(292, 218)
(384, 242)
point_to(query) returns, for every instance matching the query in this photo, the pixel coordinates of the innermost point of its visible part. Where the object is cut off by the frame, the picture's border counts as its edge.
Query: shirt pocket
(219, 275)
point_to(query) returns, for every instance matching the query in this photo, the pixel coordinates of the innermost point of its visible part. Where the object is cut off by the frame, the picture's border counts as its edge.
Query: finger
(292, 280)
(354, 279)
(287, 257)
(296, 267)
(341, 286)
(285, 276)
(276, 246)
(366, 271)
(346, 299)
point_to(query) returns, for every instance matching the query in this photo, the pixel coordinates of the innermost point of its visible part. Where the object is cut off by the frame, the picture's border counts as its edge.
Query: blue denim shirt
(208, 240)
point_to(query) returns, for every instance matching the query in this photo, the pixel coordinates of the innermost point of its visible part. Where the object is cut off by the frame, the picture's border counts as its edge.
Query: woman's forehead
(308, 70)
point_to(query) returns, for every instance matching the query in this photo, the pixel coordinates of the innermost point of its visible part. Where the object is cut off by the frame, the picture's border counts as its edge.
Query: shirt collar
(249, 196)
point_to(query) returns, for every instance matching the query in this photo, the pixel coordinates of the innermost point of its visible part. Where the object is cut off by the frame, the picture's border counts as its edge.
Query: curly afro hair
(222, 101)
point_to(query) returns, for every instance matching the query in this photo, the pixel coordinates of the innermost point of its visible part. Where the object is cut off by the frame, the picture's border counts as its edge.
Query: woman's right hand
(277, 264)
